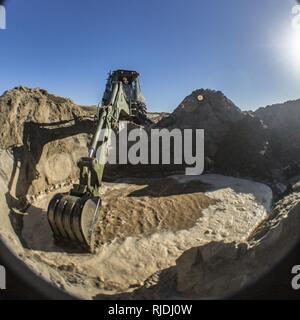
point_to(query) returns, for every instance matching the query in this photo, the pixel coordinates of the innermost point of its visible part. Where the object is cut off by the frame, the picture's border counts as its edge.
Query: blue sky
(68, 47)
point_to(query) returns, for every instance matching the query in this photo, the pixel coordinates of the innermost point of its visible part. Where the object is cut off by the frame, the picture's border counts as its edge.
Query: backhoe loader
(73, 215)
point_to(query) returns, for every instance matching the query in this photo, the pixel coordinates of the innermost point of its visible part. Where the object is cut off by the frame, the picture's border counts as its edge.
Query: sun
(292, 49)
(294, 44)
(285, 44)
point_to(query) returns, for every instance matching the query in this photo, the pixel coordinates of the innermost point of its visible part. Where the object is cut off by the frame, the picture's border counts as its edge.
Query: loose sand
(145, 227)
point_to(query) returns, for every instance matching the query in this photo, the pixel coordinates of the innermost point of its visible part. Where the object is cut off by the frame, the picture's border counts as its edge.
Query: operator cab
(132, 91)
(131, 85)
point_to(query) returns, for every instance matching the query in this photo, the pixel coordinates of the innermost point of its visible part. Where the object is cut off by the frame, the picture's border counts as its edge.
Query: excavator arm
(73, 216)
(92, 167)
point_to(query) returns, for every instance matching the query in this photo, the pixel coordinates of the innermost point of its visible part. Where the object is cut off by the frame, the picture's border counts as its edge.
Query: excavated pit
(147, 227)
(168, 237)
(142, 230)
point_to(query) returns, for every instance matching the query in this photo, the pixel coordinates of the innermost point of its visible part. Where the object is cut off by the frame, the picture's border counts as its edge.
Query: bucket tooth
(60, 212)
(51, 213)
(67, 217)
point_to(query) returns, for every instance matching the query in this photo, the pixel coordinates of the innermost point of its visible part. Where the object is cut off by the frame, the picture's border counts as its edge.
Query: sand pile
(246, 150)
(263, 144)
(283, 124)
(45, 135)
(23, 105)
(205, 109)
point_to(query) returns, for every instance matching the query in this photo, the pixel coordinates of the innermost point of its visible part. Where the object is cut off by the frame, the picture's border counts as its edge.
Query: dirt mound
(205, 109)
(283, 125)
(246, 150)
(264, 144)
(46, 135)
(23, 105)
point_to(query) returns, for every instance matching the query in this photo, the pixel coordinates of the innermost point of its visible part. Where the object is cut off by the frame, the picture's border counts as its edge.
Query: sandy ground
(145, 226)
(178, 236)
